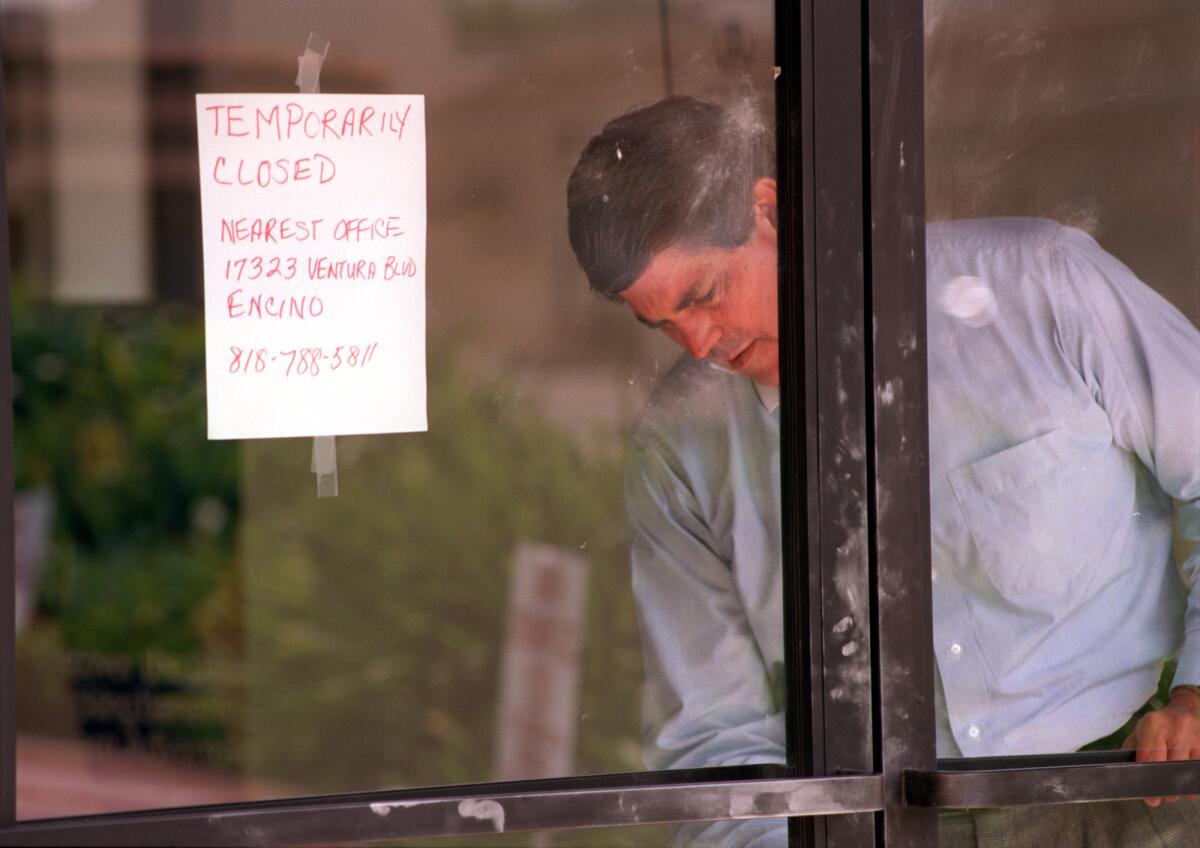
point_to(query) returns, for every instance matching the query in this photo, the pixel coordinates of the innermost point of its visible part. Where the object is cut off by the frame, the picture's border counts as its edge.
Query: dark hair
(680, 171)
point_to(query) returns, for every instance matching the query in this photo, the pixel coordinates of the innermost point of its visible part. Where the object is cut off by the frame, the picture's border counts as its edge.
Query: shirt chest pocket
(1039, 512)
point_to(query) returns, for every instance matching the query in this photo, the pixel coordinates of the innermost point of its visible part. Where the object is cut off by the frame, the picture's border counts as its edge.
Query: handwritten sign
(314, 263)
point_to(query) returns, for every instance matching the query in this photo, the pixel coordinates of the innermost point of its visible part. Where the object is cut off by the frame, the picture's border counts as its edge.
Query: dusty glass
(1063, 252)
(195, 624)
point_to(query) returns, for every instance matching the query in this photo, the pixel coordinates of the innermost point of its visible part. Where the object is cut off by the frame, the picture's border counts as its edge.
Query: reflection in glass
(197, 627)
(672, 212)
(1063, 259)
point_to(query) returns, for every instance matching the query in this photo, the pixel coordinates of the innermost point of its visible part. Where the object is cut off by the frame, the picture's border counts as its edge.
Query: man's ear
(766, 210)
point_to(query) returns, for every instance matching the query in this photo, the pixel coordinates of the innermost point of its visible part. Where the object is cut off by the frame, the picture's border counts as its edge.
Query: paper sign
(314, 263)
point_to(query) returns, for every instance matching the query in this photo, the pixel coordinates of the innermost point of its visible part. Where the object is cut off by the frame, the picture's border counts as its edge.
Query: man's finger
(1179, 750)
(1175, 754)
(1180, 747)
(1151, 748)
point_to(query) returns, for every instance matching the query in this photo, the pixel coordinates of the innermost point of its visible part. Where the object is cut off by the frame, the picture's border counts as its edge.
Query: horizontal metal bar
(1077, 758)
(394, 815)
(1013, 787)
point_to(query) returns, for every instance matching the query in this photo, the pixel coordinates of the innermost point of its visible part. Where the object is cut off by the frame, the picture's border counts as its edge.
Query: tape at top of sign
(308, 79)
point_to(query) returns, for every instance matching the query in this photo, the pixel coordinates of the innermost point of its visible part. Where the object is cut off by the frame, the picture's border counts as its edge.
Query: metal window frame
(8, 571)
(861, 767)
(461, 811)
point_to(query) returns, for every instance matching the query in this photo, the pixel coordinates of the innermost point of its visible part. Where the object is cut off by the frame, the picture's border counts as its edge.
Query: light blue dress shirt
(1064, 403)
(702, 498)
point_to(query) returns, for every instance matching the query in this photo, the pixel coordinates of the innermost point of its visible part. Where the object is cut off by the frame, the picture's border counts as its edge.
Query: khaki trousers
(1114, 824)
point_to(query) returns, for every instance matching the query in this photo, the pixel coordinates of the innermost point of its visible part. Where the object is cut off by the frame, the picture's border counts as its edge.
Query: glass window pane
(1063, 161)
(195, 624)
(1127, 824)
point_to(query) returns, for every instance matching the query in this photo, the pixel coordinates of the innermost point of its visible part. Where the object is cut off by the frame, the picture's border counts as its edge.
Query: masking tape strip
(324, 465)
(308, 80)
(324, 452)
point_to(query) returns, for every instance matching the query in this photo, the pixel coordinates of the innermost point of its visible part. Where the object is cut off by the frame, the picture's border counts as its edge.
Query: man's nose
(697, 335)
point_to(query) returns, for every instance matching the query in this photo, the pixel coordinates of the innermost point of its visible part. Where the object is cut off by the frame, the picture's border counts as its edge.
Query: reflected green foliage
(134, 600)
(377, 618)
(109, 416)
(200, 601)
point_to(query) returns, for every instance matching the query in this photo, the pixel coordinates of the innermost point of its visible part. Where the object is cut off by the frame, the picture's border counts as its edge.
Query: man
(1064, 409)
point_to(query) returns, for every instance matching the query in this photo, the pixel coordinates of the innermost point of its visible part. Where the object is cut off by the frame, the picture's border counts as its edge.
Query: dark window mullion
(844, 629)
(894, 31)
(822, 233)
(800, 531)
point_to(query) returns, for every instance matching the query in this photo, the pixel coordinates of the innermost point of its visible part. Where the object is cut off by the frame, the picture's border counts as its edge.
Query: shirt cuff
(1187, 672)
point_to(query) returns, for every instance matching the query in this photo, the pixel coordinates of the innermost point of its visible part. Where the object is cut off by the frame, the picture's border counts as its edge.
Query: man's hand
(1172, 733)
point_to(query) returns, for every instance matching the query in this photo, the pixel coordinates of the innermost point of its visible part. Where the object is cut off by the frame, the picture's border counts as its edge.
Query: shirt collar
(768, 396)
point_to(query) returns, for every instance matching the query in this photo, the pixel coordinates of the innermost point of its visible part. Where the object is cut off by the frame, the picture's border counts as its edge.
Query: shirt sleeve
(708, 699)
(1142, 358)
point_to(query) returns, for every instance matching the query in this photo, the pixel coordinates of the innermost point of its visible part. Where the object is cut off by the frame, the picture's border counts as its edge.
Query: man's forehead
(669, 272)
(677, 256)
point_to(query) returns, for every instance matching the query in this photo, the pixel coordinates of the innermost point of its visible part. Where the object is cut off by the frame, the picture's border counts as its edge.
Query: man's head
(672, 211)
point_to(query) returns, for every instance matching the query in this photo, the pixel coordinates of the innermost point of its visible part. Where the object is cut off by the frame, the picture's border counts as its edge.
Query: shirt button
(973, 731)
(956, 649)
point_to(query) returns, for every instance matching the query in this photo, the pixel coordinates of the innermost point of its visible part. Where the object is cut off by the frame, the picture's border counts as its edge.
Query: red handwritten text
(367, 229)
(269, 230)
(301, 361)
(269, 172)
(296, 121)
(273, 306)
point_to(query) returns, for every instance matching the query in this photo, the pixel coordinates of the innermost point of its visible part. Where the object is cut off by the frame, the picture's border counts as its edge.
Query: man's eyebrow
(689, 296)
(653, 325)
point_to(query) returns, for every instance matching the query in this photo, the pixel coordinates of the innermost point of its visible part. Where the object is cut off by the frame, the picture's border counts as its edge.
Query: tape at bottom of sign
(324, 465)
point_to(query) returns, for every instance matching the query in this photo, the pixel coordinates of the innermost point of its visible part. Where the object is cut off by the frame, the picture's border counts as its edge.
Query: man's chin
(754, 362)
(759, 364)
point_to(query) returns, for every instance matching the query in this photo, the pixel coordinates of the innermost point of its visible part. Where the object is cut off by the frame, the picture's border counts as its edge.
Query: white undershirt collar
(768, 396)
